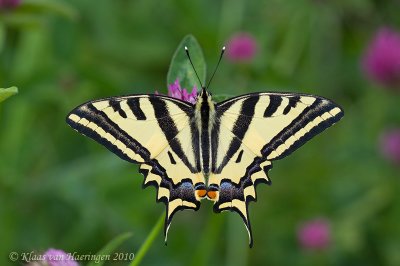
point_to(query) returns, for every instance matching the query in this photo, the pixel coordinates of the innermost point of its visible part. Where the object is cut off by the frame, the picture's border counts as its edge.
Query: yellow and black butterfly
(219, 151)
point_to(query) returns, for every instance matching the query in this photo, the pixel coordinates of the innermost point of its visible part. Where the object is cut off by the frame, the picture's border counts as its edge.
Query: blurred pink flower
(381, 61)
(314, 234)
(175, 90)
(241, 47)
(56, 257)
(9, 3)
(390, 145)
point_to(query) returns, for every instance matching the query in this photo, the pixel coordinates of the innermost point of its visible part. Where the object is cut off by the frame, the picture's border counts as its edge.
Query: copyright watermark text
(32, 256)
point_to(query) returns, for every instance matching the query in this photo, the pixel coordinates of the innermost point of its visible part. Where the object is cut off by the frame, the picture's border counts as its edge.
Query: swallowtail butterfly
(206, 150)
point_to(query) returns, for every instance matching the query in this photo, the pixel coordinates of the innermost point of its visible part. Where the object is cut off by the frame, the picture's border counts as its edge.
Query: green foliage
(59, 189)
(5, 93)
(149, 241)
(32, 13)
(110, 247)
(48, 7)
(180, 67)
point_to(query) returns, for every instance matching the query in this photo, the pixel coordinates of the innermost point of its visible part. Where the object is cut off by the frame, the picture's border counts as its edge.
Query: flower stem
(148, 242)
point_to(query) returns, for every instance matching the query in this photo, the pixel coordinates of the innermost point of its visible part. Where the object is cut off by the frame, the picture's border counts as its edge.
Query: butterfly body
(204, 114)
(219, 151)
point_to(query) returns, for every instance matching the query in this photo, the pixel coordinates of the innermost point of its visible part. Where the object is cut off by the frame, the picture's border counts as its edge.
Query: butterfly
(206, 150)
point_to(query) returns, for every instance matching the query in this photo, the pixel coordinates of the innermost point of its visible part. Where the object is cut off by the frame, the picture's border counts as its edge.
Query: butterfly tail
(176, 197)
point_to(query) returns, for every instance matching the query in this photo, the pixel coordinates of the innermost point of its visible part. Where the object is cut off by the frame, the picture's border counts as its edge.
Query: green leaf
(180, 67)
(5, 93)
(110, 247)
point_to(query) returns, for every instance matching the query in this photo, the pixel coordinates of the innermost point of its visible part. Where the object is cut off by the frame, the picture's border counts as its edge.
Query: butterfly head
(204, 94)
(204, 103)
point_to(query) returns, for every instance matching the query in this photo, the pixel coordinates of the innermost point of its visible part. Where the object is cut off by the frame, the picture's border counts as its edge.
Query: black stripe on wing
(100, 119)
(168, 126)
(239, 129)
(116, 106)
(293, 100)
(274, 102)
(134, 105)
(309, 114)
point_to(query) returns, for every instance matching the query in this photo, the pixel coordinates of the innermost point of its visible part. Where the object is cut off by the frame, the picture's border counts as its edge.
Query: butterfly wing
(254, 130)
(152, 130)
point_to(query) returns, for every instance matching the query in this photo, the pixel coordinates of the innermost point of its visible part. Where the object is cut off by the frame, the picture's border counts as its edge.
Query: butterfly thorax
(204, 116)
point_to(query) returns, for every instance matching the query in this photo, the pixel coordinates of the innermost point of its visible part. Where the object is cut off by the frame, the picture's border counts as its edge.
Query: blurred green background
(59, 189)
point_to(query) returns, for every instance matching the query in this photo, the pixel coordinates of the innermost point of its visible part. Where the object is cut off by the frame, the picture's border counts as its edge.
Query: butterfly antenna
(188, 55)
(215, 70)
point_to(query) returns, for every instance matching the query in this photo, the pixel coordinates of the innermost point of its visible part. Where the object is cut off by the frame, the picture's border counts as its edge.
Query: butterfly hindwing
(176, 196)
(175, 173)
(155, 131)
(254, 130)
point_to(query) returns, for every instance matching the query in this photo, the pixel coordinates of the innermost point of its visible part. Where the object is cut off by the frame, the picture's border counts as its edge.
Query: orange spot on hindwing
(201, 193)
(212, 195)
